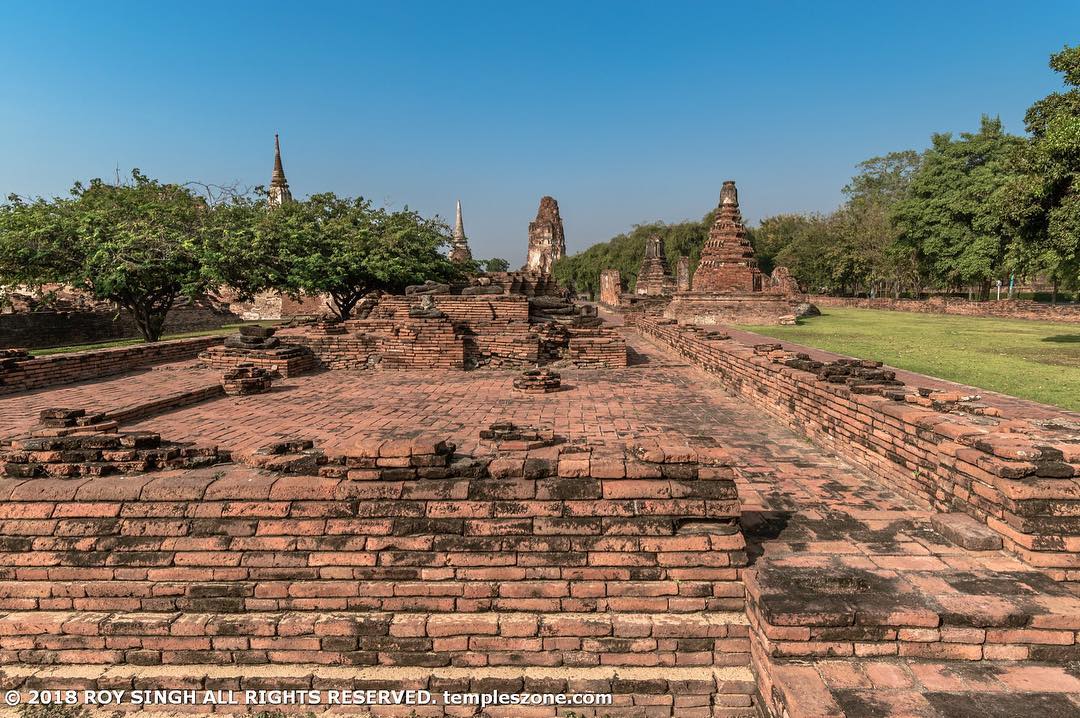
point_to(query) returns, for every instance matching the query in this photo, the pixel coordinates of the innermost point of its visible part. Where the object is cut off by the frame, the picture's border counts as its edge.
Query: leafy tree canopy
(950, 216)
(326, 244)
(1043, 204)
(132, 243)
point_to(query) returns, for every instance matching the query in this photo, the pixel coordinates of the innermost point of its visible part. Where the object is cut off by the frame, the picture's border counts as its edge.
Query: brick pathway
(18, 412)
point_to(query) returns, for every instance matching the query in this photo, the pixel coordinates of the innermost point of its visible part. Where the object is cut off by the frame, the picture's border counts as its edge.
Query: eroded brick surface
(580, 558)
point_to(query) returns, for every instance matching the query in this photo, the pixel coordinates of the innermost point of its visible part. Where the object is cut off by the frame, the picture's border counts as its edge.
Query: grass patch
(226, 329)
(1031, 360)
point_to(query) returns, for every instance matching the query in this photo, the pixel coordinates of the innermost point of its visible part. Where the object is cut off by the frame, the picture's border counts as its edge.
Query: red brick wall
(1010, 309)
(398, 556)
(1019, 486)
(80, 366)
(478, 308)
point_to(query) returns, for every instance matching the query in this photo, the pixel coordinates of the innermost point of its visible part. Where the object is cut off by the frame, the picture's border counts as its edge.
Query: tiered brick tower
(459, 248)
(547, 243)
(279, 186)
(653, 278)
(727, 259)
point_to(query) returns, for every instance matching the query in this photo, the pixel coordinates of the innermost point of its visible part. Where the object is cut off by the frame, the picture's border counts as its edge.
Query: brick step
(142, 409)
(832, 609)
(885, 687)
(235, 590)
(719, 692)
(359, 639)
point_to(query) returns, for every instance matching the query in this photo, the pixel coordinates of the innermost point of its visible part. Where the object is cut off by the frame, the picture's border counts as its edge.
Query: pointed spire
(459, 226)
(279, 186)
(459, 247)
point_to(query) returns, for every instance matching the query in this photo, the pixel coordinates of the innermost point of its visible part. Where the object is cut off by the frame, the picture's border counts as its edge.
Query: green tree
(132, 243)
(1043, 198)
(950, 217)
(495, 264)
(342, 247)
(868, 232)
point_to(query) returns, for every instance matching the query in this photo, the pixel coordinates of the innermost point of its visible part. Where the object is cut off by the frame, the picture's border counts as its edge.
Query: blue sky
(623, 111)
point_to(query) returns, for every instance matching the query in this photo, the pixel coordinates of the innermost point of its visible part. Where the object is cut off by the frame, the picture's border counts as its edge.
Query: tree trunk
(1053, 292)
(149, 319)
(344, 303)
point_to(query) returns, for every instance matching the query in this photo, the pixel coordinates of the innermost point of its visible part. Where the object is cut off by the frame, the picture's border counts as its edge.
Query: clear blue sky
(623, 111)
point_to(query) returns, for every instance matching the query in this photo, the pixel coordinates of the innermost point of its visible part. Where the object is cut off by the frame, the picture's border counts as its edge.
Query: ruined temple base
(286, 360)
(730, 308)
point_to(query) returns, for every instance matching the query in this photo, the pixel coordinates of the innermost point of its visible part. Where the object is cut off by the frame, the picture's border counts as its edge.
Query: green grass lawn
(226, 329)
(1033, 360)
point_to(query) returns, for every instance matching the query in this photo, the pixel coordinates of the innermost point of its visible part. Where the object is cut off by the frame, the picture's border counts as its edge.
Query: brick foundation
(285, 360)
(730, 308)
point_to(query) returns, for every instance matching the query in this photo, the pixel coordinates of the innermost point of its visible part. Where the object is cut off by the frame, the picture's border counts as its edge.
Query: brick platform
(565, 568)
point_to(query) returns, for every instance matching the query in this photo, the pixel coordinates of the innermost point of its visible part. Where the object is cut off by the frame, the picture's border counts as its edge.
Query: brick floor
(18, 412)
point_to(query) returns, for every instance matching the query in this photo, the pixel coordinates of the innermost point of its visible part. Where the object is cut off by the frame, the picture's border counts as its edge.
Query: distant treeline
(957, 217)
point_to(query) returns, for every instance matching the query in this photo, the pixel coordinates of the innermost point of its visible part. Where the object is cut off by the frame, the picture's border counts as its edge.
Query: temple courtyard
(842, 596)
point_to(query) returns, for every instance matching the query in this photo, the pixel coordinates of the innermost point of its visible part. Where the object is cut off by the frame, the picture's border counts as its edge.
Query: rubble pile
(246, 379)
(538, 381)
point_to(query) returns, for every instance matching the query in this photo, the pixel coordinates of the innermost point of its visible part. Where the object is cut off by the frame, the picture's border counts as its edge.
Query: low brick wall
(398, 554)
(285, 361)
(35, 330)
(1020, 484)
(474, 308)
(385, 344)
(598, 348)
(71, 367)
(1006, 309)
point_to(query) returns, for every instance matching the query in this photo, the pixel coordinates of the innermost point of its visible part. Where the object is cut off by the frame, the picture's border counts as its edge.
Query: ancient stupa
(279, 186)
(547, 242)
(727, 286)
(459, 247)
(653, 278)
(727, 259)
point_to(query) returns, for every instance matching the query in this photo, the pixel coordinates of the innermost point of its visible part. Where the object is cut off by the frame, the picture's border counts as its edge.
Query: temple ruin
(278, 193)
(459, 246)
(547, 242)
(653, 277)
(727, 285)
(486, 488)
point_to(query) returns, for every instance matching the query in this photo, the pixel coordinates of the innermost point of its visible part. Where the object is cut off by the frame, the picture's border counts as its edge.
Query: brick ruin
(547, 241)
(611, 289)
(727, 285)
(605, 532)
(458, 332)
(631, 564)
(653, 277)
(682, 274)
(573, 565)
(459, 246)
(727, 261)
(1015, 477)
